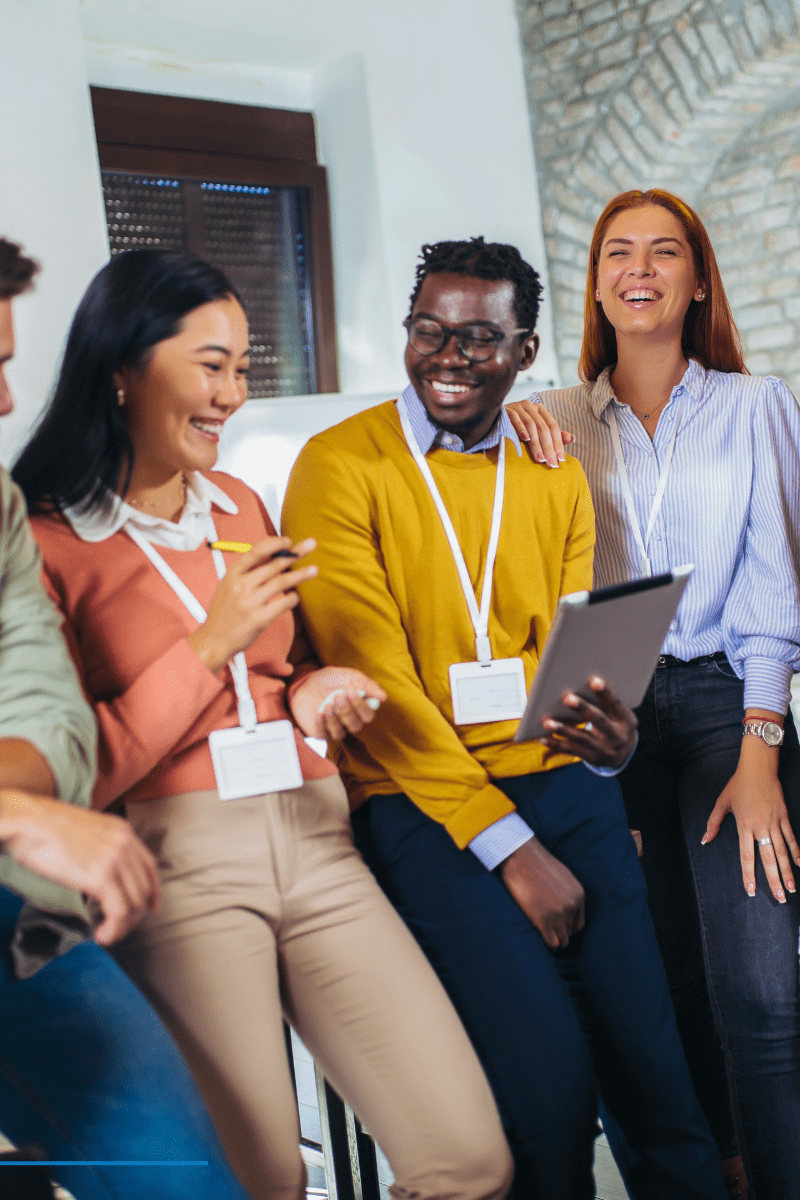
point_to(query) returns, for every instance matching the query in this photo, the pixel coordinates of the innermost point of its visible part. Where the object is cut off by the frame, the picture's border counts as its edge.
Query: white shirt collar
(186, 534)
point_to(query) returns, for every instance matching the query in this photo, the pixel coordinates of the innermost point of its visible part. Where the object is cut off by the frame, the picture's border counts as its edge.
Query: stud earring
(120, 396)
(701, 295)
(597, 295)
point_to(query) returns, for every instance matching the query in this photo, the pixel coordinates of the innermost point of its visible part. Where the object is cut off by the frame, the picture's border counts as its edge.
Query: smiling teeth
(207, 426)
(450, 388)
(633, 296)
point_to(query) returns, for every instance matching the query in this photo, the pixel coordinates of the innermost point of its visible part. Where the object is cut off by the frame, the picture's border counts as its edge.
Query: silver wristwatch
(769, 731)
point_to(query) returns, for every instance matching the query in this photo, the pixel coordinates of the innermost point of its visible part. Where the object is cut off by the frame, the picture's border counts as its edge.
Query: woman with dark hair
(691, 459)
(177, 599)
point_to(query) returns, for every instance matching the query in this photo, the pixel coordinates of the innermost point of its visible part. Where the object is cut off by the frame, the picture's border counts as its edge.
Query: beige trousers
(268, 909)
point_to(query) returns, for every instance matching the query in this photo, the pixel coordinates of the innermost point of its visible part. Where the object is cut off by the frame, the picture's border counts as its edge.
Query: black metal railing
(346, 1151)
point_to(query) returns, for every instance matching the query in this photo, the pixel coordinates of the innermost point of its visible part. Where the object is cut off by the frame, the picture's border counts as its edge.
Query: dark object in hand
(283, 554)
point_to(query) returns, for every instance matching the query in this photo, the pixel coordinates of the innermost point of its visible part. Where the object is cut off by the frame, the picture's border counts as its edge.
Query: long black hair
(80, 452)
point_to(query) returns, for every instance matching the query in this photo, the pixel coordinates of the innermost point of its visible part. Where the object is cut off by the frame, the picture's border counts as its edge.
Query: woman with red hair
(691, 459)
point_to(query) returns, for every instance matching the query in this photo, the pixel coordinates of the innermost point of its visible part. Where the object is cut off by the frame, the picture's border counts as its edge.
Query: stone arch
(753, 216)
(635, 94)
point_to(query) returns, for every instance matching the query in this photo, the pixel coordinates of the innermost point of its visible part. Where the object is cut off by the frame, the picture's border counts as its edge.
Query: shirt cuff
(495, 843)
(610, 772)
(767, 684)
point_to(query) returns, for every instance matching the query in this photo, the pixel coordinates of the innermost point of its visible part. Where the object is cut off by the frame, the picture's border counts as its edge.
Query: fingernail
(552, 462)
(751, 889)
(539, 456)
(790, 886)
(780, 897)
(571, 700)
(561, 458)
(597, 682)
(704, 839)
(551, 724)
(373, 703)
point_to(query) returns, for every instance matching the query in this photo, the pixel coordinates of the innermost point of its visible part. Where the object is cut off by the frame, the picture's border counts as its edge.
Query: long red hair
(709, 332)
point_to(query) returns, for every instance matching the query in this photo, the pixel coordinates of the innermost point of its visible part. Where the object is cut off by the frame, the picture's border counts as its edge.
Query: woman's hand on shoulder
(335, 701)
(755, 797)
(258, 588)
(538, 427)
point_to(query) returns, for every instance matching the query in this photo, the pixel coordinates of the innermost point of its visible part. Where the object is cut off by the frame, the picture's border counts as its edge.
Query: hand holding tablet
(613, 635)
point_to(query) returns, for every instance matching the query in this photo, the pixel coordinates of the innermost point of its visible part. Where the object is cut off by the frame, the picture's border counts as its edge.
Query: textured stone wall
(702, 98)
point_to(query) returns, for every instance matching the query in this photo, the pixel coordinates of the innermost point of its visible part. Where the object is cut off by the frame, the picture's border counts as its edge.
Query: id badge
(492, 691)
(248, 762)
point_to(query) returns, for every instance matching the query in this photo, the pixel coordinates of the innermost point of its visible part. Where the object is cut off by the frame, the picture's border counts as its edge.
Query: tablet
(615, 632)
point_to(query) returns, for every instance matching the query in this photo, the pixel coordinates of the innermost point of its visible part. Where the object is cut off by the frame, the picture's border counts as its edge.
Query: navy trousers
(731, 959)
(510, 994)
(89, 1073)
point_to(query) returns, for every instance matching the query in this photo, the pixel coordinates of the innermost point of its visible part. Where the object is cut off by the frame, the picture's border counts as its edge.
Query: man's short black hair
(16, 270)
(484, 260)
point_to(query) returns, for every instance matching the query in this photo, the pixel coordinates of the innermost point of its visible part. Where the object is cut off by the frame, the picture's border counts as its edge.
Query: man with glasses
(439, 576)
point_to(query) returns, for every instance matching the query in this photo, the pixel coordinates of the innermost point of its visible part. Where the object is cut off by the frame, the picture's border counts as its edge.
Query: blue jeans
(508, 990)
(731, 959)
(87, 1071)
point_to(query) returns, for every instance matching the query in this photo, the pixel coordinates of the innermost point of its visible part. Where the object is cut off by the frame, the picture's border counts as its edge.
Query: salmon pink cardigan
(154, 699)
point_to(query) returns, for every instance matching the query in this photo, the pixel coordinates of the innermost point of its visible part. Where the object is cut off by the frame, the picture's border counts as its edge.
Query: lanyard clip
(484, 648)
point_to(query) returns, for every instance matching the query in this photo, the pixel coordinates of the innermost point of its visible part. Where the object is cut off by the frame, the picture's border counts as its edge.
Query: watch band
(770, 732)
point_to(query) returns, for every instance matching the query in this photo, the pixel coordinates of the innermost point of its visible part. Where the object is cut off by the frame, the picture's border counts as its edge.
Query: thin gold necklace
(149, 504)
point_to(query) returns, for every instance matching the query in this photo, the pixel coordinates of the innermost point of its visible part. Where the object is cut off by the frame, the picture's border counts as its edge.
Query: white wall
(421, 120)
(49, 187)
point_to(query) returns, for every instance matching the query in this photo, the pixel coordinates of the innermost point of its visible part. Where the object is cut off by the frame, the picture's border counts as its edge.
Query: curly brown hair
(16, 270)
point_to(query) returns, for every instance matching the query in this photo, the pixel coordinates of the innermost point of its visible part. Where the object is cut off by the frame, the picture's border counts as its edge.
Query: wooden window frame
(241, 143)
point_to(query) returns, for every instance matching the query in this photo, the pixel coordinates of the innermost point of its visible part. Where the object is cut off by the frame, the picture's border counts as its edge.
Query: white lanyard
(642, 543)
(480, 617)
(238, 665)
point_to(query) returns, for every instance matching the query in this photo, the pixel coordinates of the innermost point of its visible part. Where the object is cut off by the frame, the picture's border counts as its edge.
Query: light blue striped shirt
(731, 507)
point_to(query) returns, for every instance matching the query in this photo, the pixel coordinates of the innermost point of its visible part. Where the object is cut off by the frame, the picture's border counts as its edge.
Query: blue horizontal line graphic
(103, 1162)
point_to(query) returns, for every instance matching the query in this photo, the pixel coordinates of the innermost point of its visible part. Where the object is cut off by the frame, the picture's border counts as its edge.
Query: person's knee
(473, 1164)
(498, 1172)
(486, 1167)
(283, 1178)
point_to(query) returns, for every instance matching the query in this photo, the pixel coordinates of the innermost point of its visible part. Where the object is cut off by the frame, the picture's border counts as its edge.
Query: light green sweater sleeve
(40, 695)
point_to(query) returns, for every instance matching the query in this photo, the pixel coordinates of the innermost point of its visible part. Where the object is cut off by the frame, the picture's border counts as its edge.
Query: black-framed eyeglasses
(476, 342)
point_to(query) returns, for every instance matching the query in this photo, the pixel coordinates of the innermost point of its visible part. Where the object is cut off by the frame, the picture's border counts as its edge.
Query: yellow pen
(231, 547)
(243, 547)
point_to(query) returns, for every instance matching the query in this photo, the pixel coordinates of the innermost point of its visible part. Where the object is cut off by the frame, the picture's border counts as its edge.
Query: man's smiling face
(461, 396)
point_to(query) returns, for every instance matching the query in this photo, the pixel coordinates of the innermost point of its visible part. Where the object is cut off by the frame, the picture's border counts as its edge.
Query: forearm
(755, 755)
(21, 811)
(23, 766)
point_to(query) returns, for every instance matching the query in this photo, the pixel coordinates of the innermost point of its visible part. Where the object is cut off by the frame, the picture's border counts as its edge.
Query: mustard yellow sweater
(388, 600)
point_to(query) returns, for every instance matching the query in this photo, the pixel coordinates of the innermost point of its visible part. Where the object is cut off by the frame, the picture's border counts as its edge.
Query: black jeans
(731, 959)
(506, 986)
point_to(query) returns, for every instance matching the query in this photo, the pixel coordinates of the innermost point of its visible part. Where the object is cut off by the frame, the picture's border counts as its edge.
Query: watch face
(772, 733)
